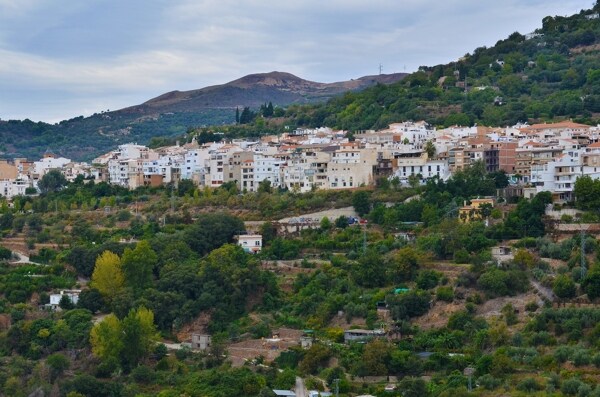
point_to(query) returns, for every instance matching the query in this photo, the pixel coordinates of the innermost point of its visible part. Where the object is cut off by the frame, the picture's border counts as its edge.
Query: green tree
(591, 284)
(139, 336)
(564, 287)
(138, 265)
(375, 358)
(360, 201)
(211, 231)
(430, 149)
(58, 363)
(264, 186)
(52, 181)
(403, 264)
(90, 299)
(128, 341)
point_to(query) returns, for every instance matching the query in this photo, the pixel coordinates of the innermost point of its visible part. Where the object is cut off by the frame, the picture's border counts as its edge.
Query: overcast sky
(64, 58)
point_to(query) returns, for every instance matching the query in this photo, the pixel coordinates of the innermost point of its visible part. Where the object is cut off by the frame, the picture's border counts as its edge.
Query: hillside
(550, 74)
(254, 90)
(169, 115)
(157, 266)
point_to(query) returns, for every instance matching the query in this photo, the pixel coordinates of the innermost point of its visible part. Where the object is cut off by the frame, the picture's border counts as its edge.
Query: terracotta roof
(562, 124)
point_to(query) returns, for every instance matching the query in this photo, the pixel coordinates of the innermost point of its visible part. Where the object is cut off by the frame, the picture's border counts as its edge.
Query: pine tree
(237, 115)
(269, 110)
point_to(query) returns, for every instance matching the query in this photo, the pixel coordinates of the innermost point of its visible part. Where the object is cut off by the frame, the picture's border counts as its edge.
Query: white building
(417, 164)
(194, 165)
(267, 168)
(167, 167)
(73, 295)
(10, 188)
(48, 163)
(251, 243)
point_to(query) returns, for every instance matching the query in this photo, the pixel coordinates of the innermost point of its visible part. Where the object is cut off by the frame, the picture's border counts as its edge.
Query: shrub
(445, 294)
(529, 385)
(571, 386)
(531, 306)
(142, 374)
(428, 279)
(581, 357)
(488, 382)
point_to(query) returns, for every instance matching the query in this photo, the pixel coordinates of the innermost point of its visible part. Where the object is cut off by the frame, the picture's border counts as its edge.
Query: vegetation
(157, 264)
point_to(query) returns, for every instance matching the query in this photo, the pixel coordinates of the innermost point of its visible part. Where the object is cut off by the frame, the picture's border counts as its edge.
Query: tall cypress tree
(237, 115)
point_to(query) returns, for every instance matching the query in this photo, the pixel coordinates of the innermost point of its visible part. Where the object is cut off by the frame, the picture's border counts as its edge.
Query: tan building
(351, 167)
(8, 170)
(240, 169)
(472, 211)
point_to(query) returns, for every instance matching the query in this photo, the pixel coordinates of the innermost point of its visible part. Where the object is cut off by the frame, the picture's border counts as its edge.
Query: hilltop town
(536, 158)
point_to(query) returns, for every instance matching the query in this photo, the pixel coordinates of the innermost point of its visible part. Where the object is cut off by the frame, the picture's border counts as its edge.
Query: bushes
(496, 282)
(445, 294)
(408, 305)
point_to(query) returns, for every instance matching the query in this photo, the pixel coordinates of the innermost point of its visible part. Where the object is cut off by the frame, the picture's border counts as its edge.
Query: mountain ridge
(170, 114)
(255, 89)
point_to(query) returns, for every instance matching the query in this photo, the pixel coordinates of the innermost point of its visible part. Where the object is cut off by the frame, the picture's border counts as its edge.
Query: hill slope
(552, 74)
(170, 114)
(254, 90)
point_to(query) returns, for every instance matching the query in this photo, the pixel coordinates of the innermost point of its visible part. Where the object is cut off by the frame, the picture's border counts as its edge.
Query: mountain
(169, 115)
(253, 90)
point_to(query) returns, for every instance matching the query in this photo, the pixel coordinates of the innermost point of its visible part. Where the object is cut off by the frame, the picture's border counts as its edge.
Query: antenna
(380, 68)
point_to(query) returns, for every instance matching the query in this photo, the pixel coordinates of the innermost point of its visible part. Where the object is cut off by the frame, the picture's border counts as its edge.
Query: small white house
(251, 243)
(73, 295)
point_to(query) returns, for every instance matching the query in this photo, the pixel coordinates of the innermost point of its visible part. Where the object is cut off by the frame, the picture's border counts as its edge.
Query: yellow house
(472, 212)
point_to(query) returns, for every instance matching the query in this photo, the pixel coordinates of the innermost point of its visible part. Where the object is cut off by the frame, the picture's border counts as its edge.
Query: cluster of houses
(539, 157)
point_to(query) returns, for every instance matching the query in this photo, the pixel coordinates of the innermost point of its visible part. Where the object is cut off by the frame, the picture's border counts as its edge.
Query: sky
(64, 58)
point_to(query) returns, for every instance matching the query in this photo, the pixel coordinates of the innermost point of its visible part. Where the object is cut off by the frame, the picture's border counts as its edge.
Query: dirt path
(544, 293)
(24, 259)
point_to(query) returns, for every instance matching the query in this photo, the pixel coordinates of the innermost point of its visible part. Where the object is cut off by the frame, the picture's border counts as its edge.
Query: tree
(564, 287)
(211, 231)
(591, 284)
(403, 265)
(413, 387)
(52, 181)
(128, 341)
(360, 201)
(376, 356)
(414, 180)
(237, 115)
(430, 149)
(341, 222)
(58, 363)
(66, 303)
(106, 338)
(138, 265)
(264, 186)
(108, 275)
(139, 336)
(325, 223)
(90, 299)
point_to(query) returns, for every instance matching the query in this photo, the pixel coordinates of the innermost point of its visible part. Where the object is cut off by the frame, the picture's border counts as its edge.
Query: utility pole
(583, 270)
(380, 68)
